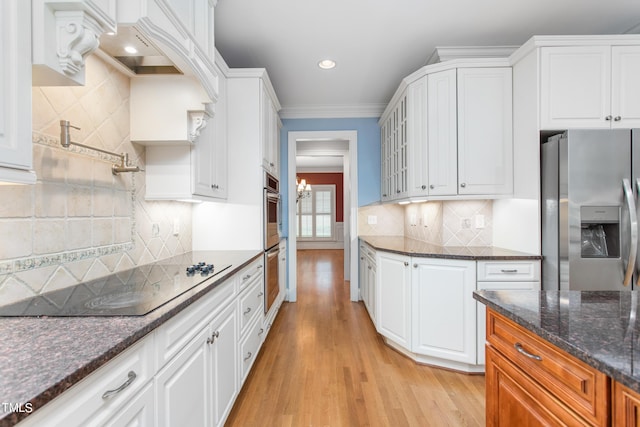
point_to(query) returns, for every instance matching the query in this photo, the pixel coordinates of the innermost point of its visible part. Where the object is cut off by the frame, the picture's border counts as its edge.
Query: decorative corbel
(197, 122)
(77, 36)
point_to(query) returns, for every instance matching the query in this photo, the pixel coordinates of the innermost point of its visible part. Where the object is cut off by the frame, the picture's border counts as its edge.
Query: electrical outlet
(372, 219)
(479, 221)
(413, 220)
(176, 226)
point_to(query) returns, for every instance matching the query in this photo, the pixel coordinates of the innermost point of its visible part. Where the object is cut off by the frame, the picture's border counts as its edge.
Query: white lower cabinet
(393, 311)
(182, 386)
(368, 271)
(425, 307)
(139, 411)
(444, 310)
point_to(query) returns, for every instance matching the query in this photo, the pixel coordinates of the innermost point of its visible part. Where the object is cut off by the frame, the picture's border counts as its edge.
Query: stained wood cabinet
(589, 86)
(530, 381)
(626, 406)
(16, 160)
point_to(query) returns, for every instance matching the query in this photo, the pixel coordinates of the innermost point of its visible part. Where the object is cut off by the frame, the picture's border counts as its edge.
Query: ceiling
(376, 43)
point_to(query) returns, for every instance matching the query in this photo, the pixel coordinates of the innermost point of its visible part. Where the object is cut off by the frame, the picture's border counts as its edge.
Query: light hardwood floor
(323, 364)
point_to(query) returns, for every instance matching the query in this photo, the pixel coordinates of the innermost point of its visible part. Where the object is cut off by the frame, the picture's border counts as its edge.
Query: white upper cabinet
(449, 134)
(64, 33)
(16, 160)
(442, 119)
(590, 87)
(197, 18)
(485, 139)
(270, 129)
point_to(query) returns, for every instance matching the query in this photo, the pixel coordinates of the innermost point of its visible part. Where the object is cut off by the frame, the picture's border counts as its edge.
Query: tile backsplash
(80, 222)
(447, 223)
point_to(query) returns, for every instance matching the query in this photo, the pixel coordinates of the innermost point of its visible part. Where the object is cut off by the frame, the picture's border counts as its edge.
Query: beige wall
(440, 223)
(79, 222)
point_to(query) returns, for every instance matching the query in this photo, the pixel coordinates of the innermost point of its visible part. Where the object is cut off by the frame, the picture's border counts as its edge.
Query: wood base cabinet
(626, 406)
(530, 382)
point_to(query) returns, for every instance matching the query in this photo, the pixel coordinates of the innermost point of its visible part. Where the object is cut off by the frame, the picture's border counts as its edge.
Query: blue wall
(368, 155)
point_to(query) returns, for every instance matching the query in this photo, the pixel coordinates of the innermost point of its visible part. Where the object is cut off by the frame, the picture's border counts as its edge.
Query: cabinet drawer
(514, 399)
(250, 273)
(174, 335)
(100, 395)
(249, 347)
(509, 271)
(251, 304)
(562, 375)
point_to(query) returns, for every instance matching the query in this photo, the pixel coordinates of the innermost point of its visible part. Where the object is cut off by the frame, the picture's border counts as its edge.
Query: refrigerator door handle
(633, 220)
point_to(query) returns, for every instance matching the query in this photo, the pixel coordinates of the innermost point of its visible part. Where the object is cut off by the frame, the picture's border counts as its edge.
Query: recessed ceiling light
(130, 49)
(327, 64)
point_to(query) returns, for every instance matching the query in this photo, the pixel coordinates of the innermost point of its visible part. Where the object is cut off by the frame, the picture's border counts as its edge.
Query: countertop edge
(55, 390)
(449, 256)
(562, 344)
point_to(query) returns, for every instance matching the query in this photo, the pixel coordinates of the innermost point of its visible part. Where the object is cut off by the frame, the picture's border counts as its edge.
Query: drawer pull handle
(248, 356)
(261, 331)
(247, 311)
(513, 270)
(260, 266)
(521, 350)
(260, 294)
(131, 377)
(247, 277)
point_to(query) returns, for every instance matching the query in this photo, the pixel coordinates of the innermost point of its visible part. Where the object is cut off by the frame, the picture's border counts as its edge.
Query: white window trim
(314, 188)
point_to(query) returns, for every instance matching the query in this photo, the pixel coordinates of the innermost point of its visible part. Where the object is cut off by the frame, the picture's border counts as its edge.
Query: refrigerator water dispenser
(600, 231)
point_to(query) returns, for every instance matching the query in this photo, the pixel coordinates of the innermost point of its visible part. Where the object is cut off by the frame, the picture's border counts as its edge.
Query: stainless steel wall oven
(271, 238)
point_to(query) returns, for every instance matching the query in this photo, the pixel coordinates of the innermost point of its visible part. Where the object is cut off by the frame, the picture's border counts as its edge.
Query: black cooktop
(133, 292)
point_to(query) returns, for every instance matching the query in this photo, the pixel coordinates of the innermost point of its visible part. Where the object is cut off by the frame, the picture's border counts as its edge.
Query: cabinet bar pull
(213, 337)
(260, 294)
(513, 270)
(245, 278)
(521, 350)
(247, 311)
(131, 377)
(608, 118)
(248, 356)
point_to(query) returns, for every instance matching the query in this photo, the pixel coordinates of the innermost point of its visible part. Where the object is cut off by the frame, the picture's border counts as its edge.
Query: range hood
(136, 52)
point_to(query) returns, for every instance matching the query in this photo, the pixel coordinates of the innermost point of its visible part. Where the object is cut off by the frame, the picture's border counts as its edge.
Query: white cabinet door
(444, 312)
(625, 86)
(282, 268)
(485, 137)
(442, 133)
(16, 159)
(575, 87)
(417, 161)
(393, 311)
(269, 131)
(182, 386)
(370, 301)
(224, 363)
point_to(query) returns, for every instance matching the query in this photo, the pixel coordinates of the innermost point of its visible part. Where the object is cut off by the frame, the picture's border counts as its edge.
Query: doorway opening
(316, 148)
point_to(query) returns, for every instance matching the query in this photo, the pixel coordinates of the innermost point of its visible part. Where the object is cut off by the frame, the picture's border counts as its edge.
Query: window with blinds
(316, 214)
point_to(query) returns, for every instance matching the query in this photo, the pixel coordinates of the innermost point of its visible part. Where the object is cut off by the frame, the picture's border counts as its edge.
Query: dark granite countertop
(597, 327)
(405, 246)
(41, 357)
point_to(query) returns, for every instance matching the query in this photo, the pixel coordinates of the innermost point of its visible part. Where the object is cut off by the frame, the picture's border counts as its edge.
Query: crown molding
(332, 111)
(447, 53)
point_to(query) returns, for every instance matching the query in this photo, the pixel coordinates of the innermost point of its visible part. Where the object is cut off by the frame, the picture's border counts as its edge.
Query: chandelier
(302, 188)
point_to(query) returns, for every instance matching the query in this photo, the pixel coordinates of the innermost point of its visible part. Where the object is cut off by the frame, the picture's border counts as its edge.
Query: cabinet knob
(369, 267)
(617, 118)
(398, 191)
(271, 164)
(608, 118)
(424, 187)
(463, 185)
(415, 265)
(215, 186)
(384, 195)
(432, 186)
(406, 264)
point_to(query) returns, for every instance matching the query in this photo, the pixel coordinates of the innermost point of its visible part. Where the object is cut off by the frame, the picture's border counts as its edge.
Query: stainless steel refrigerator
(589, 218)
